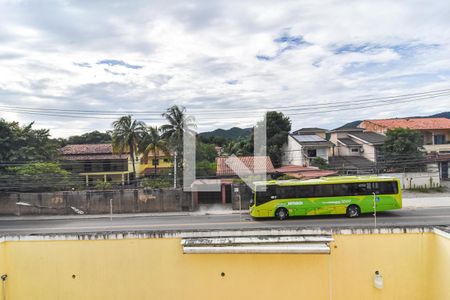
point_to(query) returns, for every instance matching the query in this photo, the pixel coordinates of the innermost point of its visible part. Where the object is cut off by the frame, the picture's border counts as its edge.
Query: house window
(106, 166)
(88, 167)
(166, 160)
(312, 153)
(155, 162)
(355, 150)
(439, 139)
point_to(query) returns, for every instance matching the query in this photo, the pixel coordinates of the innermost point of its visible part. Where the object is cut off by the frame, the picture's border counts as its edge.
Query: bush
(157, 183)
(102, 185)
(320, 163)
(40, 177)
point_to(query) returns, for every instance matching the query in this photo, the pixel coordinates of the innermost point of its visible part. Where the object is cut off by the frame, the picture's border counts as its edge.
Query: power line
(294, 110)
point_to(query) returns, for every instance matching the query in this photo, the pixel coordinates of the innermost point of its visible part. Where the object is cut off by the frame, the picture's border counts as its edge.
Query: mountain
(232, 133)
(441, 115)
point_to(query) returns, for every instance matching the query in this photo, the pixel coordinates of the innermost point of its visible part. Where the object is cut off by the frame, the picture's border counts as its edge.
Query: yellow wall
(398, 257)
(140, 167)
(157, 269)
(439, 268)
(2, 265)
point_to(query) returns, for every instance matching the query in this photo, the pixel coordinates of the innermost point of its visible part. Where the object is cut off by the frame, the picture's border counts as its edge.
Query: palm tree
(153, 142)
(126, 135)
(178, 123)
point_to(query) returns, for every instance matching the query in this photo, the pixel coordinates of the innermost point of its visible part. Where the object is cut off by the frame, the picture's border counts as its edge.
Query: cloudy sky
(225, 61)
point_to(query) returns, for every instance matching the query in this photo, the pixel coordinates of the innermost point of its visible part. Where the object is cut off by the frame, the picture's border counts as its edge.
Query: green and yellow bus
(350, 195)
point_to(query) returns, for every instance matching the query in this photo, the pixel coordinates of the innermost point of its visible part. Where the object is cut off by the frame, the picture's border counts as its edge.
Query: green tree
(278, 127)
(39, 176)
(178, 123)
(205, 168)
(205, 152)
(23, 143)
(320, 163)
(239, 148)
(403, 149)
(126, 136)
(153, 142)
(93, 137)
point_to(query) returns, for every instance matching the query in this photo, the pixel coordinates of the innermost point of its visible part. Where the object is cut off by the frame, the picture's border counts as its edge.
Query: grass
(439, 189)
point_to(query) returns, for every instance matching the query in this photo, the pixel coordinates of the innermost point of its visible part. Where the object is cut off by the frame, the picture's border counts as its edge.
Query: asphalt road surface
(404, 217)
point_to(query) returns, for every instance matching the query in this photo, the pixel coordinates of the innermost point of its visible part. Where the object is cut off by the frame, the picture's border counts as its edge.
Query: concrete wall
(96, 202)
(413, 266)
(245, 194)
(416, 180)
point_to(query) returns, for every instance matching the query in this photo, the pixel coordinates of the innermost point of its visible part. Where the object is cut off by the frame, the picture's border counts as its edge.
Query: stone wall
(95, 202)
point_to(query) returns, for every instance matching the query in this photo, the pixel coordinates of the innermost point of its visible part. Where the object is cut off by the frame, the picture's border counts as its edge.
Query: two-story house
(435, 132)
(302, 147)
(356, 151)
(98, 162)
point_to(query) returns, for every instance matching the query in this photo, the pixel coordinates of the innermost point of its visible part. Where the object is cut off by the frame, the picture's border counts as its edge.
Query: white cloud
(49, 54)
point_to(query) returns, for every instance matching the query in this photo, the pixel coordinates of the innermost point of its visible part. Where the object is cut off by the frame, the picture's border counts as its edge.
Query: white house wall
(292, 153)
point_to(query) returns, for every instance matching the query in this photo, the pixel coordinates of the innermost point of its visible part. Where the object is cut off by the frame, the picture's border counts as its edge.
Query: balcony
(437, 148)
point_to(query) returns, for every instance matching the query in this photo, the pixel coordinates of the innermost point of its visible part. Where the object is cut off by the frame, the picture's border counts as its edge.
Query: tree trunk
(132, 162)
(154, 162)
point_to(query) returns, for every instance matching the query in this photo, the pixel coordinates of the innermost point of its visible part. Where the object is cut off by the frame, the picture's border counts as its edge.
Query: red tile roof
(261, 165)
(294, 169)
(313, 174)
(413, 123)
(90, 152)
(87, 149)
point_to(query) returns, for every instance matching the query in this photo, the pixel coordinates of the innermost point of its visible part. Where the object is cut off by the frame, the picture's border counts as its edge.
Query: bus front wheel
(281, 213)
(353, 211)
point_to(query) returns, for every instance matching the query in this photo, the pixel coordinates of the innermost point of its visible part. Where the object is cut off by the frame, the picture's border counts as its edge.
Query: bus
(349, 195)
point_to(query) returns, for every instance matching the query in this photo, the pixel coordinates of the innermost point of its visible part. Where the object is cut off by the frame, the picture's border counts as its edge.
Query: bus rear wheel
(353, 211)
(281, 213)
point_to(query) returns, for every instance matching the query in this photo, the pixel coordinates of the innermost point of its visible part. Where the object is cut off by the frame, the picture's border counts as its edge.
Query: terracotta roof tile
(87, 149)
(82, 152)
(249, 162)
(414, 123)
(294, 169)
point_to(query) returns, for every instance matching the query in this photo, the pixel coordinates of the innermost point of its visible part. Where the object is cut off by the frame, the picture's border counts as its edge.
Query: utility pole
(175, 170)
(375, 208)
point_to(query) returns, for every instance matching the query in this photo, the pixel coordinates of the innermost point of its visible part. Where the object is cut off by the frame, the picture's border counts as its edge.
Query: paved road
(405, 217)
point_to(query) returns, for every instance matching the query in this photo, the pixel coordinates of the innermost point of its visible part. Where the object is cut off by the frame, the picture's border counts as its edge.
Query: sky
(225, 61)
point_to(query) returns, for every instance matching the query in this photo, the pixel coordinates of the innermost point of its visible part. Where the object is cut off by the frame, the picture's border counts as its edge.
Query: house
(435, 132)
(256, 165)
(356, 151)
(301, 149)
(161, 164)
(260, 166)
(311, 131)
(96, 162)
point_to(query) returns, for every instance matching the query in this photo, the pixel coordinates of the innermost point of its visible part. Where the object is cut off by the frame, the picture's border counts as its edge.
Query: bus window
(360, 189)
(304, 191)
(388, 187)
(263, 197)
(341, 189)
(323, 190)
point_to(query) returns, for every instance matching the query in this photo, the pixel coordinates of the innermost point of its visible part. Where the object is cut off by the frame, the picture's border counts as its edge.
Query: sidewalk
(410, 201)
(423, 200)
(118, 216)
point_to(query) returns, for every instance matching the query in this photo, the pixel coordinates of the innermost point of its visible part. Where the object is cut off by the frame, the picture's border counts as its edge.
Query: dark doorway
(209, 198)
(444, 170)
